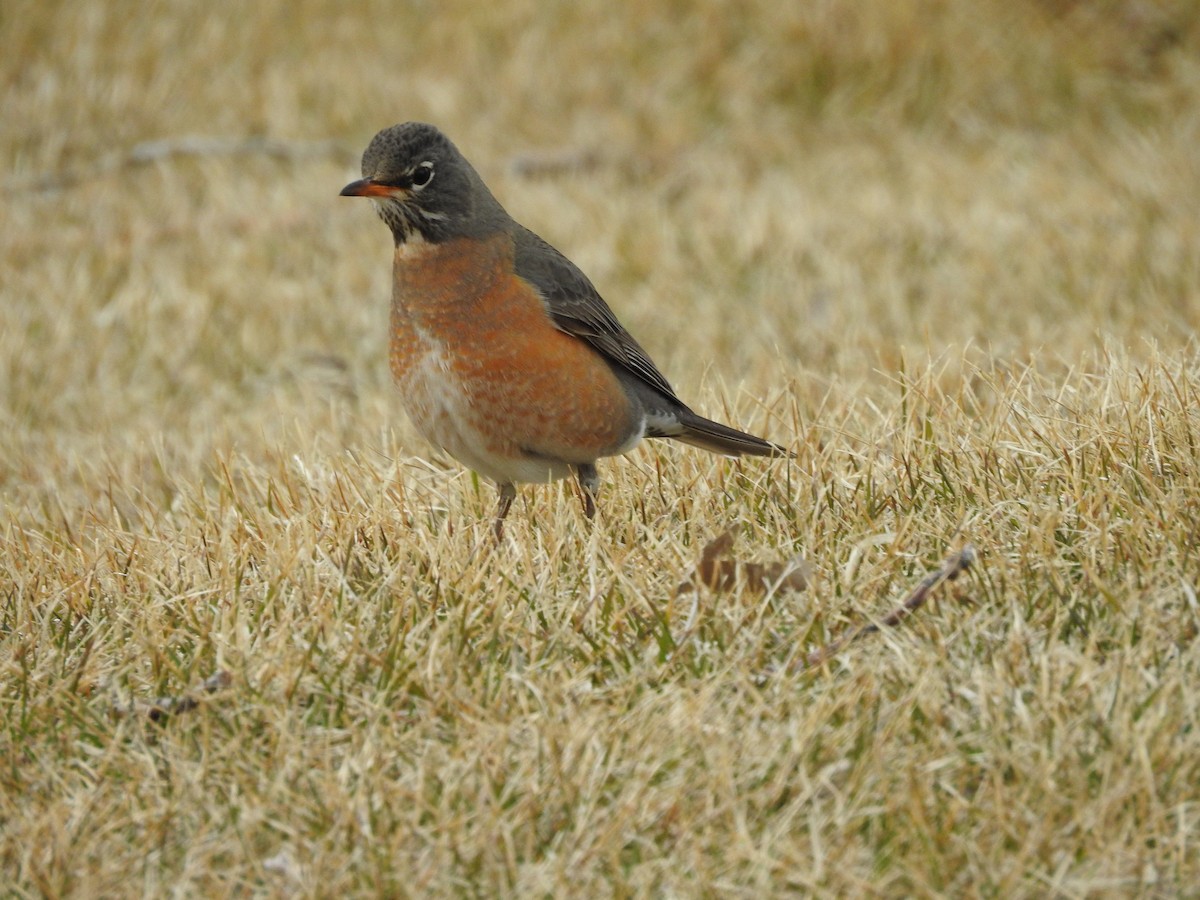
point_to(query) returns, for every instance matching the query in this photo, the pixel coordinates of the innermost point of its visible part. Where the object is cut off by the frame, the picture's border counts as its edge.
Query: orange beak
(365, 187)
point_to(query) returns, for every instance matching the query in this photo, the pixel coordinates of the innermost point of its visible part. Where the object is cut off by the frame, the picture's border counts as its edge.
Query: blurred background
(775, 197)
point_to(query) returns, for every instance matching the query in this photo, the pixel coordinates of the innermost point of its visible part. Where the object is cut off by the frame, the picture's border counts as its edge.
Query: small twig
(149, 152)
(554, 162)
(954, 566)
(161, 707)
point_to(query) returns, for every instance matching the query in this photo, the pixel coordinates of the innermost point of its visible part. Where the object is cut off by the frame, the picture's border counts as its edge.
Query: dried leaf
(718, 571)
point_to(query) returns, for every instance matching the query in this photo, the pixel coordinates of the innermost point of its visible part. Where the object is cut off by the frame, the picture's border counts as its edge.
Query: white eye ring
(422, 175)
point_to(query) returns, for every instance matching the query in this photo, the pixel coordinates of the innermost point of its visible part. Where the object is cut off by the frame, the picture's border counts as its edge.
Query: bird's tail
(717, 438)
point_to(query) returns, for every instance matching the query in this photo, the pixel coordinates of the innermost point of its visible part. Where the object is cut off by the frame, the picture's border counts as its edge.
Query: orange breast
(484, 372)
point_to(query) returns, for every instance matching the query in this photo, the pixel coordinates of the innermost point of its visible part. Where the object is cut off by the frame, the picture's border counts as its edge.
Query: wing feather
(578, 309)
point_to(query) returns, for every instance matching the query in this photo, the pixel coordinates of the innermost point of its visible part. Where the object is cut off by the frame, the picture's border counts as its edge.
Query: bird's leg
(589, 486)
(508, 493)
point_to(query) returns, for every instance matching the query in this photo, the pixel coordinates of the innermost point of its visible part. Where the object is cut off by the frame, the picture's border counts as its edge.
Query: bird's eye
(422, 175)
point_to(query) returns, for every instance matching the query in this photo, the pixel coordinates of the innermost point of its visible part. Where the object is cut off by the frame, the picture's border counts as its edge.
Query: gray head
(421, 184)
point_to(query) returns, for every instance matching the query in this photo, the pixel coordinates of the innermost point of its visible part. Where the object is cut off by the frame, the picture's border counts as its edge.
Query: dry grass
(949, 252)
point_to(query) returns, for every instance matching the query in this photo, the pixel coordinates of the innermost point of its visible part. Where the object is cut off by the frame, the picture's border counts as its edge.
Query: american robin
(506, 355)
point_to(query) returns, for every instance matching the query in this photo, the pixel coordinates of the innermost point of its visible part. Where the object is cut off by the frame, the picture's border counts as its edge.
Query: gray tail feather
(717, 438)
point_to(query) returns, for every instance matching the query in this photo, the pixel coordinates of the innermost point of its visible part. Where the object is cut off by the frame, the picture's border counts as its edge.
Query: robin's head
(420, 184)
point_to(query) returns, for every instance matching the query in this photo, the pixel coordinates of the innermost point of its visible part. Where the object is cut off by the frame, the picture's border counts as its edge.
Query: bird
(505, 354)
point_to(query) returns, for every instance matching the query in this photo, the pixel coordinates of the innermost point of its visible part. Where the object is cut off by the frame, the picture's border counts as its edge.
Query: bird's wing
(578, 309)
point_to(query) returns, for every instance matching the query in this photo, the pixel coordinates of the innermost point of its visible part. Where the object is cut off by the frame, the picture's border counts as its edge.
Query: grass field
(947, 252)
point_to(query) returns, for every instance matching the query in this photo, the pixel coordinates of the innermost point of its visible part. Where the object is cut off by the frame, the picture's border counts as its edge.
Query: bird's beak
(365, 187)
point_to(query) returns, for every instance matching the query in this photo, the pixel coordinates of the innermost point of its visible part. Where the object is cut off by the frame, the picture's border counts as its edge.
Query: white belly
(442, 408)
